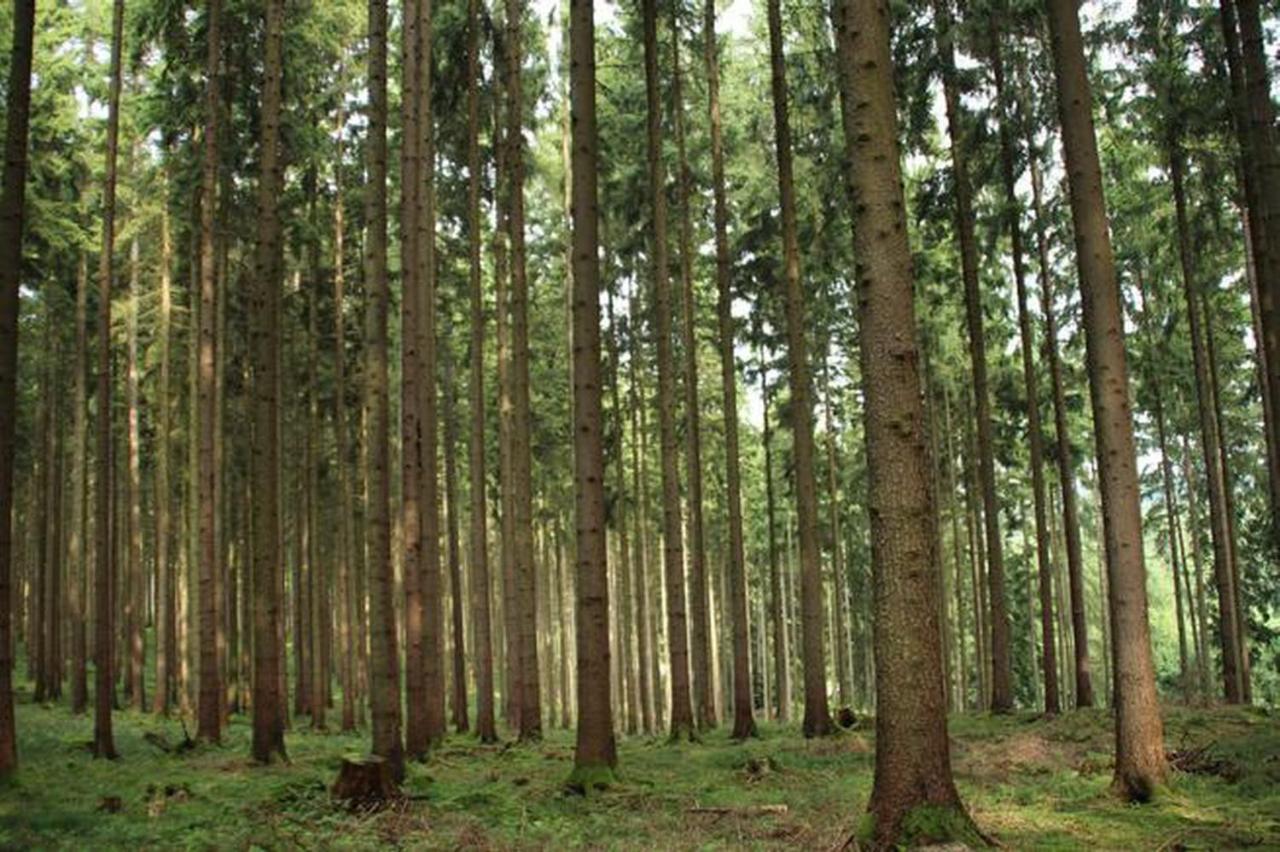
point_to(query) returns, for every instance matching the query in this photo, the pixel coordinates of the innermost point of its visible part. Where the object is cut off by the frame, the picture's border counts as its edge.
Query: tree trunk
(1001, 671)
(530, 712)
(781, 656)
(1140, 765)
(384, 656)
(268, 703)
(458, 691)
(682, 722)
(744, 724)
(843, 671)
(135, 614)
(817, 718)
(481, 641)
(104, 680)
(645, 652)
(913, 764)
(1066, 464)
(1228, 620)
(1013, 213)
(596, 754)
(77, 556)
(163, 492)
(700, 634)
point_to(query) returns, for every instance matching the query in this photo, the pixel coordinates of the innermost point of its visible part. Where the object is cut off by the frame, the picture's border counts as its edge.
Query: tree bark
(682, 721)
(481, 641)
(269, 700)
(384, 657)
(817, 717)
(135, 614)
(777, 606)
(595, 754)
(1140, 765)
(913, 765)
(163, 492)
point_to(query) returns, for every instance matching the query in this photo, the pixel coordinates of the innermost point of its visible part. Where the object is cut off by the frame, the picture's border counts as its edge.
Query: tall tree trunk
(817, 717)
(481, 641)
(412, 380)
(315, 579)
(268, 699)
(1228, 620)
(645, 652)
(1140, 765)
(136, 594)
(77, 556)
(104, 680)
(682, 722)
(1001, 671)
(12, 204)
(704, 706)
(596, 753)
(458, 691)
(1066, 463)
(530, 715)
(1200, 607)
(777, 606)
(744, 724)
(163, 491)
(843, 671)
(1013, 214)
(384, 656)
(913, 764)
(209, 716)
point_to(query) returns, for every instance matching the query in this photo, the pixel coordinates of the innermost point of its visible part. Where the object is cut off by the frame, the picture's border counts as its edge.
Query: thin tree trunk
(104, 680)
(1066, 462)
(781, 667)
(743, 719)
(135, 615)
(163, 492)
(1001, 671)
(682, 720)
(77, 556)
(913, 765)
(458, 693)
(843, 672)
(1140, 765)
(817, 717)
(645, 652)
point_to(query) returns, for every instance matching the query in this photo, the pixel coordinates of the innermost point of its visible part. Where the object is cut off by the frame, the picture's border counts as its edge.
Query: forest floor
(1030, 784)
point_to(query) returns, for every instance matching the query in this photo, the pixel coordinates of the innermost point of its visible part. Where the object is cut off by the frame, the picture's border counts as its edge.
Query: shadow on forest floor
(1032, 783)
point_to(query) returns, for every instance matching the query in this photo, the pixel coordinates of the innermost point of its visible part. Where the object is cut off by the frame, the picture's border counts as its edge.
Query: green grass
(1030, 783)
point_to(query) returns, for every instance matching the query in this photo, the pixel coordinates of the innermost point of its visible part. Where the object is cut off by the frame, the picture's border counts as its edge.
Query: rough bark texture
(744, 724)
(1013, 215)
(481, 641)
(104, 599)
(1001, 671)
(913, 764)
(384, 657)
(269, 698)
(530, 708)
(1140, 765)
(596, 751)
(12, 209)
(817, 716)
(673, 538)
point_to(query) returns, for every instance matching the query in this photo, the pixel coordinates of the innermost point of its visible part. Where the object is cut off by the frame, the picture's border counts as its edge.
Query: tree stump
(365, 781)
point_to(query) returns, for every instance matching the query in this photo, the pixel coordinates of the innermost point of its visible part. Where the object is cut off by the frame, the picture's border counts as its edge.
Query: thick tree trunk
(1140, 765)
(530, 712)
(1066, 463)
(1013, 213)
(481, 641)
(744, 724)
(682, 722)
(1001, 671)
(913, 765)
(268, 703)
(104, 598)
(596, 752)
(817, 717)
(384, 656)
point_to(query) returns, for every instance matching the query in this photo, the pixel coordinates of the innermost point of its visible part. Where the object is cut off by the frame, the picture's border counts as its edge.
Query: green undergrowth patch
(1030, 783)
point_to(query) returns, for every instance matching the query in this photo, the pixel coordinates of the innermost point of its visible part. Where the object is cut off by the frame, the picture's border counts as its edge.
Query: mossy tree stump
(365, 781)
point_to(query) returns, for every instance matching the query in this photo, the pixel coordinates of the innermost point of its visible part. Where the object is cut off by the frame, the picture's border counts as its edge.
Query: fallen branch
(751, 810)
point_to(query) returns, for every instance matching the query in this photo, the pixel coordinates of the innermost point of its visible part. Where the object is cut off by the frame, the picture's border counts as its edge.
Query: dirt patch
(1024, 753)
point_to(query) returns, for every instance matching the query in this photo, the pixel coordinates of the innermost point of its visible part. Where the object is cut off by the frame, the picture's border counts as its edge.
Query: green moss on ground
(1028, 783)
